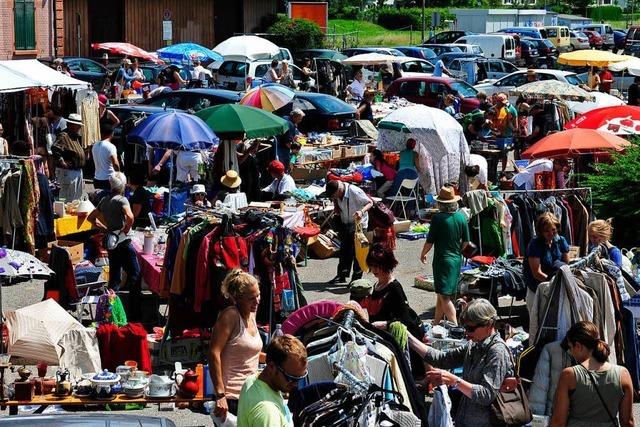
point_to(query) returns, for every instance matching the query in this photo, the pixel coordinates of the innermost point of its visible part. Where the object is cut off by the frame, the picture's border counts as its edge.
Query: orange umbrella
(575, 141)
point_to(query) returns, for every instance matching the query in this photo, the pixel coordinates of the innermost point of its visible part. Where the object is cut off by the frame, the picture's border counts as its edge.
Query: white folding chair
(408, 184)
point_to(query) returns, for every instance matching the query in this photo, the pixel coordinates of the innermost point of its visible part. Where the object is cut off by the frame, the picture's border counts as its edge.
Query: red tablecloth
(150, 268)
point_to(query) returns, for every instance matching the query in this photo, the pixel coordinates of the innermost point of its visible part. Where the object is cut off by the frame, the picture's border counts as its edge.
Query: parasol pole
(171, 180)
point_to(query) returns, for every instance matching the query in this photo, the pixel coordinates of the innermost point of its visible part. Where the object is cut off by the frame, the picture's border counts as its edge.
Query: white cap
(198, 189)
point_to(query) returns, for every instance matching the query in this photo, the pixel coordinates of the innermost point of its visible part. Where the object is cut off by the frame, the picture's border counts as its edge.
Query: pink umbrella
(127, 49)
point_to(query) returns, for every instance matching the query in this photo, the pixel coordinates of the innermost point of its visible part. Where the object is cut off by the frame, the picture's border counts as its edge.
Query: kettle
(188, 386)
(63, 385)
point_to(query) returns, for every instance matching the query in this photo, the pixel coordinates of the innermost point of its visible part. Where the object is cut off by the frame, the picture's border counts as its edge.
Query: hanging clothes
(90, 120)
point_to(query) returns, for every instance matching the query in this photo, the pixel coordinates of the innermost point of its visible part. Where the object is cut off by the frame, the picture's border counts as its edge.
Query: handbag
(380, 216)
(613, 419)
(469, 250)
(361, 244)
(511, 405)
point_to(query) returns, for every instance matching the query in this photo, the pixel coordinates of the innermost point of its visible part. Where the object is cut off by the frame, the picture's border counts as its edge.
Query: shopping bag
(362, 247)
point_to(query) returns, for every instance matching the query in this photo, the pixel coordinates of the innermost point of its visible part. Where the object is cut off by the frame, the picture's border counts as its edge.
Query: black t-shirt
(141, 197)
(390, 304)
(539, 121)
(367, 114)
(634, 94)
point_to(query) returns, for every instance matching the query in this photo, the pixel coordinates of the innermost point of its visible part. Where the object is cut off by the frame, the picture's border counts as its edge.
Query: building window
(24, 24)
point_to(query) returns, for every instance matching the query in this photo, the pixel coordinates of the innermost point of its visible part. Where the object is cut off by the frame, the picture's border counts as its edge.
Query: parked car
(519, 78)
(441, 49)
(632, 49)
(418, 52)
(320, 53)
(619, 39)
(547, 52)
(595, 39)
(410, 67)
(471, 48)
(239, 75)
(579, 40)
(604, 30)
(493, 45)
(84, 69)
(529, 53)
(194, 99)
(559, 36)
(448, 58)
(86, 420)
(382, 50)
(430, 91)
(533, 32)
(323, 113)
(633, 37)
(495, 68)
(448, 37)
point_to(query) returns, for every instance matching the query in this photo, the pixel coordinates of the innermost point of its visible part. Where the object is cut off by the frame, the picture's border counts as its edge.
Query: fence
(338, 41)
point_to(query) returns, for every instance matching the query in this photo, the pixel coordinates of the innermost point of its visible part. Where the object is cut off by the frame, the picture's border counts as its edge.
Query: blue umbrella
(174, 130)
(187, 52)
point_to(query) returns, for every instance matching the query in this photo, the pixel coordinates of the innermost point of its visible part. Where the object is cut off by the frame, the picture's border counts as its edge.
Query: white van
(493, 45)
(604, 30)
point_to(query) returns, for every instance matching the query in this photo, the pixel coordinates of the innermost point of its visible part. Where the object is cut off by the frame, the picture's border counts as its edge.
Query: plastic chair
(409, 184)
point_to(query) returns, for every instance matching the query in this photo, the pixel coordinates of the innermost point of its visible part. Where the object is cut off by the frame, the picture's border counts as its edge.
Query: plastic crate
(411, 235)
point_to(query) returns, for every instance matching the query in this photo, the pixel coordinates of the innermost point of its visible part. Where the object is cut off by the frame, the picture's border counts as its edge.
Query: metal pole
(423, 22)
(78, 31)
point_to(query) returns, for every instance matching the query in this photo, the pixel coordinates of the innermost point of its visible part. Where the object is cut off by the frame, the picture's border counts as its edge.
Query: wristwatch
(455, 384)
(219, 396)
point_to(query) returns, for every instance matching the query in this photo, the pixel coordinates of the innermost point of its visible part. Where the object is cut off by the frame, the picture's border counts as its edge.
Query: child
(449, 100)
(295, 154)
(199, 196)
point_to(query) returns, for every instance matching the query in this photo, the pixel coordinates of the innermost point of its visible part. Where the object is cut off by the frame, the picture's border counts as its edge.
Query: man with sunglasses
(261, 403)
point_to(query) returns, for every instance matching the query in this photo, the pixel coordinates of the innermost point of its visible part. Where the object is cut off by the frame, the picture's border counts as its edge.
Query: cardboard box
(337, 152)
(305, 174)
(401, 225)
(348, 151)
(323, 247)
(76, 250)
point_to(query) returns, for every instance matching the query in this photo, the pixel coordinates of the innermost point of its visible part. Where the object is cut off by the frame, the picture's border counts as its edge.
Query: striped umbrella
(269, 97)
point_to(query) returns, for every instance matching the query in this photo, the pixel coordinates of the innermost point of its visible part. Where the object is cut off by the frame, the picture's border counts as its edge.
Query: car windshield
(330, 104)
(429, 53)
(573, 79)
(464, 89)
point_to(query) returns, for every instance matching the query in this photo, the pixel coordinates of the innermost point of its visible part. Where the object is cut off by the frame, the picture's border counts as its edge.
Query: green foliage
(562, 8)
(615, 195)
(345, 9)
(605, 13)
(392, 18)
(296, 34)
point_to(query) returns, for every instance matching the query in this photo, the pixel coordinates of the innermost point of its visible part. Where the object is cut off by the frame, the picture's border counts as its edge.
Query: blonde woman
(235, 342)
(600, 232)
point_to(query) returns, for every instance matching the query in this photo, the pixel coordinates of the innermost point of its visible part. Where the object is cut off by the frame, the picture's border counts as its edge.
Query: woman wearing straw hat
(230, 184)
(449, 233)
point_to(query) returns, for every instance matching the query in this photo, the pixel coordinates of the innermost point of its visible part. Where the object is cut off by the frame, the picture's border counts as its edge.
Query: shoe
(337, 280)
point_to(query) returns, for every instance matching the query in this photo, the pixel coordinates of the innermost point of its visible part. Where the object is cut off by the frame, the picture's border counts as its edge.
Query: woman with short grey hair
(485, 360)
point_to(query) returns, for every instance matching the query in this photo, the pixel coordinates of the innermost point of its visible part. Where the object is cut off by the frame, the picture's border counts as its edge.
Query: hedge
(605, 13)
(393, 19)
(296, 34)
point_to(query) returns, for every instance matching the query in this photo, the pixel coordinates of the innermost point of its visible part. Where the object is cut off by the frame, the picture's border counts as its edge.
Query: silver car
(579, 40)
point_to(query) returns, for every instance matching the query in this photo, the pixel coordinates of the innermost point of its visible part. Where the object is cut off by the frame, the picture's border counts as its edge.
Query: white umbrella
(375, 59)
(600, 100)
(632, 66)
(45, 332)
(440, 139)
(247, 47)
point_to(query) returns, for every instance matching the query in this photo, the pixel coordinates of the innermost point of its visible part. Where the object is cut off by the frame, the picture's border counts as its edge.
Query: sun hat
(231, 179)
(198, 189)
(105, 56)
(447, 195)
(75, 119)
(126, 61)
(102, 99)
(297, 112)
(531, 72)
(276, 167)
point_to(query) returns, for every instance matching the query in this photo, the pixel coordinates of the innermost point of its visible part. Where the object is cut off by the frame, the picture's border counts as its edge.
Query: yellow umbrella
(590, 57)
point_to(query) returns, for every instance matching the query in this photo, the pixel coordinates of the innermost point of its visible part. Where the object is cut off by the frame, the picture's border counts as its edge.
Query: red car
(595, 39)
(430, 91)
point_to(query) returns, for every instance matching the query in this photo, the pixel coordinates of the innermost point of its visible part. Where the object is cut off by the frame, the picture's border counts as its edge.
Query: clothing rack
(10, 159)
(556, 190)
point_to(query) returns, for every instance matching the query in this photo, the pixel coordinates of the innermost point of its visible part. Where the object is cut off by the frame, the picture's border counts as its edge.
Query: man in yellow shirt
(261, 403)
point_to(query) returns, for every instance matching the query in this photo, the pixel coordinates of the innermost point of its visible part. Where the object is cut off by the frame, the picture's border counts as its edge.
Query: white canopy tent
(631, 65)
(22, 74)
(242, 48)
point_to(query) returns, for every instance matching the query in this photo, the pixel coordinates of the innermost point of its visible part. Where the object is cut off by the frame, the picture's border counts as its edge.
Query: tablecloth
(150, 267)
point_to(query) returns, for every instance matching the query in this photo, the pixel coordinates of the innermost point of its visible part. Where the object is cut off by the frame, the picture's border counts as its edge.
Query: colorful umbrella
(234, 120)
(187, 53)
(552, 89)
(591, 58)
(269, 97)
(127, 49)
(174, 130)
(575, 141)
(620, 120)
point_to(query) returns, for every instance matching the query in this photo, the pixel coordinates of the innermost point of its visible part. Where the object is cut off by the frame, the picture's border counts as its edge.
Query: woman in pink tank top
(235, 342)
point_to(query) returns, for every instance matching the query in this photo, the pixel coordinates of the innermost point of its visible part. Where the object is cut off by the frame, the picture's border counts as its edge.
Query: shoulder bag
(613, 419)
(511, 405)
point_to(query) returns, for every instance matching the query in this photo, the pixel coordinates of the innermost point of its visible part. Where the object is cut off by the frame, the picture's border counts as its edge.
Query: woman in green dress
(449, 233)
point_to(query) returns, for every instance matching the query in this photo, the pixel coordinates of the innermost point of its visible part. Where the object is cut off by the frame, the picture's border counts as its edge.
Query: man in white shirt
(476, 171)
(105, 158)
(350, 204)
(282, 184)
(356, 88)
(199, 72)
(188, 165)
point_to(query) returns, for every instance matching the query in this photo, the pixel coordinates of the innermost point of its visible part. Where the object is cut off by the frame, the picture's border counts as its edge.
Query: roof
(573, 17)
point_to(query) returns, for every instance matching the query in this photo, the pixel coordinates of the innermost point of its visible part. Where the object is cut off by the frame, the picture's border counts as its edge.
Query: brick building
(27, 28)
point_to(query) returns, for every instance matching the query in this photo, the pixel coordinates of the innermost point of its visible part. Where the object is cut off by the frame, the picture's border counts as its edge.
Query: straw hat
(231, 179)
(198, 189)
(447, 195)
(531, 72)
(75, 119)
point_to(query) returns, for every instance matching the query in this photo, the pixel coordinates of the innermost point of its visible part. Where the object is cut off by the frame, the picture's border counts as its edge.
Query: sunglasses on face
(292, 378)
(472, 328)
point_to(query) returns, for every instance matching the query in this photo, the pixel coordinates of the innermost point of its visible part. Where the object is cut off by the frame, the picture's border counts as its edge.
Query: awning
(27, 73)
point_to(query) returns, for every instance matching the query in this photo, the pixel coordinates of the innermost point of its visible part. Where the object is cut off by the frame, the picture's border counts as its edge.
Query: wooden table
(119, 399)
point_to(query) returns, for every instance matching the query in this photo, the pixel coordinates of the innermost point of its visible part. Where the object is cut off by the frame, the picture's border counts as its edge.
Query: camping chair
(408, 184)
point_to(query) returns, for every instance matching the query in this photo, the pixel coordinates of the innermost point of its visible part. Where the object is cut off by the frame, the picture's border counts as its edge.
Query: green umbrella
(229, 120)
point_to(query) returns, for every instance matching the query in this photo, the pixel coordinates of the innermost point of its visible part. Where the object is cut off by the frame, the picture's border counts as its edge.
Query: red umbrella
(620, 120)
(127, 49)
(575, 141)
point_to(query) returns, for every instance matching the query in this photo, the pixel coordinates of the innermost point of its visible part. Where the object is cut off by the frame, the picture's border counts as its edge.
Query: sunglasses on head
(291, 378)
